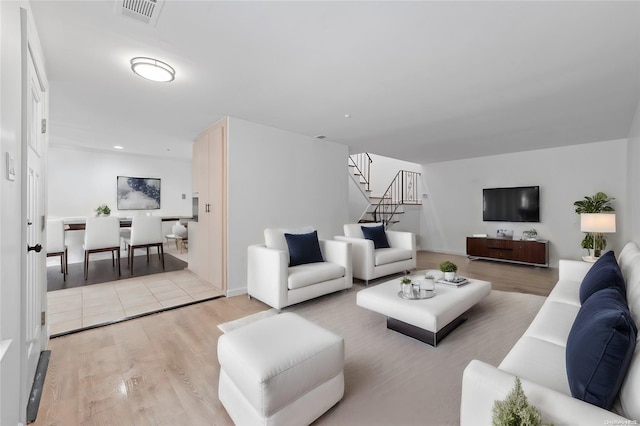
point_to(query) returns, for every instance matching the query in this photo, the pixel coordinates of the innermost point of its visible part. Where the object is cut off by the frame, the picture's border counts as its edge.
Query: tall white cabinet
(208, 236)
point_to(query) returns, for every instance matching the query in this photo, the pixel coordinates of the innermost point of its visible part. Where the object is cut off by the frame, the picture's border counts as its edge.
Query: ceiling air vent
(146, 11)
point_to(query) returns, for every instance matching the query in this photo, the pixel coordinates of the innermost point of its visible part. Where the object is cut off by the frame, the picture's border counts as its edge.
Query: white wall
(384, 170)
(633, 177)
(453, 209)
(80, 181)
(280, 179)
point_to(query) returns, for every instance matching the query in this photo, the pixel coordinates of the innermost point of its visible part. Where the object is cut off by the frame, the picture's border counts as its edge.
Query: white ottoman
(428, 320)
(282, 370)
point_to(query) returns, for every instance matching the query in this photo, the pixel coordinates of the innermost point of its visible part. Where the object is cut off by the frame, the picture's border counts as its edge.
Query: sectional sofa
(568, 351)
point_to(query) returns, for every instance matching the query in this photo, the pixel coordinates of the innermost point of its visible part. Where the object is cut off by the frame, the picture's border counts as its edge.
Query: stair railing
(362, 163)
(403, 189)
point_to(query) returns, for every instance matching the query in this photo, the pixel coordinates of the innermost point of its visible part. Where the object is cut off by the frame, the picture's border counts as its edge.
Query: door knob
(37, 248)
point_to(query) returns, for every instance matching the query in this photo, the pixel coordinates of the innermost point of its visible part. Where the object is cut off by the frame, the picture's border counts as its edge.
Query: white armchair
(271, 279)
(370, 263)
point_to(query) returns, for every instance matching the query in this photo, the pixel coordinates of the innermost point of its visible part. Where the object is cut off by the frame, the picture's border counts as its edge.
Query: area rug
(392, 379)
(232, 325)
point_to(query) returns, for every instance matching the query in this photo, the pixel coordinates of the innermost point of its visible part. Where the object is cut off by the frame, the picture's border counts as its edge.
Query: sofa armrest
(362, 256)
(338, 252)
(573, 270)
(267, 274)
(483, 384)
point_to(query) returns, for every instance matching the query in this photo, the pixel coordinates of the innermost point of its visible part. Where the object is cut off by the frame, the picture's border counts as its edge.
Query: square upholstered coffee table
(428, 320)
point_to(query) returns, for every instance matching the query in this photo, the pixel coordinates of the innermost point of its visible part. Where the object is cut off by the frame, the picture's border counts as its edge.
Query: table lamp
(597, 224)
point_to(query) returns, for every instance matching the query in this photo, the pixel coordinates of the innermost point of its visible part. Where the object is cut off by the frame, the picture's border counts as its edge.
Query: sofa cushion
(303, 248)
(599, 348)
(605, 273)
(377, 235)
(313, 273)
(566, 292)
(384, 256)
(539, 361)
(553, 322)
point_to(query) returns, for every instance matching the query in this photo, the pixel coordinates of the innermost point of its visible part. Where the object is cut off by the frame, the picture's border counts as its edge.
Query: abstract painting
(136, 193)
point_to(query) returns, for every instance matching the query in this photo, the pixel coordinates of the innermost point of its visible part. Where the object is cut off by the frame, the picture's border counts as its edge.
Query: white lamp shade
(598, 222)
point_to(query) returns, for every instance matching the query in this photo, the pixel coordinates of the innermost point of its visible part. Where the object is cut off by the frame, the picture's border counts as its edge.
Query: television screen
(136, 193)
(519, 204)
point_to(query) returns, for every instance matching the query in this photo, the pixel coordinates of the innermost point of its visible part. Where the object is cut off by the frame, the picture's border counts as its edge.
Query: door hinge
(44, 125)
(43, 318)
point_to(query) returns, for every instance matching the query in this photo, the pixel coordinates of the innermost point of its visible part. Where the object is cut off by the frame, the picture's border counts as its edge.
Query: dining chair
(56, 244)
(101, 234)
(146, 231)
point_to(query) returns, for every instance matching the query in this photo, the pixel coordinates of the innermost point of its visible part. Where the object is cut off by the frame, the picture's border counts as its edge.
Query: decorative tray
(418, 294)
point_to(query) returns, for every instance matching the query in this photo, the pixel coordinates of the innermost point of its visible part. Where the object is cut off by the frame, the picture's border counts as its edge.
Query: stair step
(387, 213)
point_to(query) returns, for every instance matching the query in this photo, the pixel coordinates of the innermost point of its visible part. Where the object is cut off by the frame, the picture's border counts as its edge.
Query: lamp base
(589, 259)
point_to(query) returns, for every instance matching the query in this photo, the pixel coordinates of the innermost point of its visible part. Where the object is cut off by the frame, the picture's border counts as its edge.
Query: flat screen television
(517, 204)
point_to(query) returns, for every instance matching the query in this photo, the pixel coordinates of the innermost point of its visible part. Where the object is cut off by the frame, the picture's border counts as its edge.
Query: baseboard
(236, 291)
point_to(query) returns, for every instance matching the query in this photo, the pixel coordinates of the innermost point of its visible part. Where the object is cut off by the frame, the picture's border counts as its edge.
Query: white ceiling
(422, 81)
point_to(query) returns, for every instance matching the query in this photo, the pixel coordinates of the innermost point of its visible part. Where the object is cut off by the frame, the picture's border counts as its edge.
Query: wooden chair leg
(86, 265)
(66, 261)
(118, 250)
(161, 254)
(131, 250)
(113, 263)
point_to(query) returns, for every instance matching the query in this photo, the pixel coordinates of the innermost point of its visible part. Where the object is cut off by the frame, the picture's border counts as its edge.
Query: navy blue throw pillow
(377, 235)
(605, 273)
(303, 248)
(599, 348)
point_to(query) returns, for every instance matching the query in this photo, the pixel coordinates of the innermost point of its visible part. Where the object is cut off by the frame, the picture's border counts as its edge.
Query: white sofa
(271, 279)
(370, 263)
(538, 358)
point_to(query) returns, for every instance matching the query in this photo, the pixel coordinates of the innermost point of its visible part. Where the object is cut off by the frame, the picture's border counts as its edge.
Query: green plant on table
(405, 280)
(103, 210)
(448, 266)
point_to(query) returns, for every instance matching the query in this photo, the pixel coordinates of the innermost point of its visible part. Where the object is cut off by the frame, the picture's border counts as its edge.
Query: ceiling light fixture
(347, 116)
(153, 69)
(118, 147)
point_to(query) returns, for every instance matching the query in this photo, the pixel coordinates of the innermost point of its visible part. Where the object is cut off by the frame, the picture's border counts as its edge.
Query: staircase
(386, 209)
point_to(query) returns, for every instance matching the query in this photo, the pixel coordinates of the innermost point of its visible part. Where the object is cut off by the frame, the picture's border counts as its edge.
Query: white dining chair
(101, 234)
(146, 231)
(56, 244)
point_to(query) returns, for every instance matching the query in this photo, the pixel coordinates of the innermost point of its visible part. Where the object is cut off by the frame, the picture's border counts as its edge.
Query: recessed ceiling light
(347, 116)
(153, 69)
(118, 147)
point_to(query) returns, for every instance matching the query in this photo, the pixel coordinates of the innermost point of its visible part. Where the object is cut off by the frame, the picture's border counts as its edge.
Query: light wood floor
(162, 369)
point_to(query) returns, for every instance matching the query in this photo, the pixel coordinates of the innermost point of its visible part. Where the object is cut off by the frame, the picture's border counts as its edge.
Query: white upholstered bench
(282, 370)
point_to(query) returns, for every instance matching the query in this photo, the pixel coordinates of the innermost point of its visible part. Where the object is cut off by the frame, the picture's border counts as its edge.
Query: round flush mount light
(153, 69)
(118, 147)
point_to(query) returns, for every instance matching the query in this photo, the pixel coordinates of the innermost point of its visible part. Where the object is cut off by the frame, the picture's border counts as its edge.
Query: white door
(34, 292)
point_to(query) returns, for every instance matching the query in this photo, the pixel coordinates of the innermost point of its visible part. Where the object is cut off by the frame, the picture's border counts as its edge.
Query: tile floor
(81, 307)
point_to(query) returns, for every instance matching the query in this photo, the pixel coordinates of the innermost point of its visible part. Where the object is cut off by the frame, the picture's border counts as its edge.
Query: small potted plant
(530, 234)
(103, 210)
(406, 285)
(449, 268)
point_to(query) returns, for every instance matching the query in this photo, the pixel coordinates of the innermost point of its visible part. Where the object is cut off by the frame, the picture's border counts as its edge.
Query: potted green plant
(406, 285)
(449, 268)
(103, 210)
(516, 410)
(599, 203)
